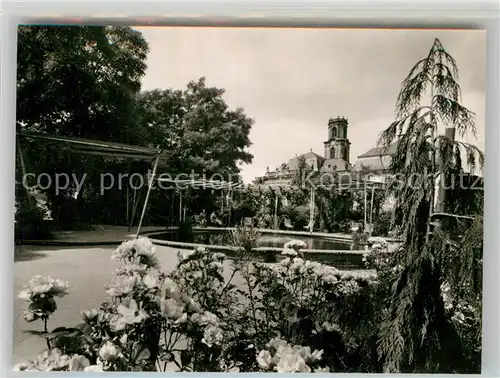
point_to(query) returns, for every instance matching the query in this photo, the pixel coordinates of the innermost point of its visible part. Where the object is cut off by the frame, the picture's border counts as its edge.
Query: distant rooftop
(335, 165)
(293, 163)
(381, 151)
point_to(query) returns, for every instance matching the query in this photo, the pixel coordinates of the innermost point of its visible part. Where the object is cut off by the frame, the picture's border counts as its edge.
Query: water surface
(266, 240)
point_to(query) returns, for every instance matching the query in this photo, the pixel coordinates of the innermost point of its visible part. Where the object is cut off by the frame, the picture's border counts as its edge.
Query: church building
(337, 147)
(336, 157)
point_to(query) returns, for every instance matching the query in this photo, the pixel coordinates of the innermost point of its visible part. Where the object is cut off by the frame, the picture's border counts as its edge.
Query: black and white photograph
(249, 199)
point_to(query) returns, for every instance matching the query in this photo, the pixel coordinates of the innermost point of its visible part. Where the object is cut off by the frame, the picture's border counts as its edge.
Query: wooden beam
(371, 210)
(118, 155)
(452, 216)
(126, 197)
(89, 142)
(150, 185)
(180, 206)
(365, 207)
(276, 212)
(230, 196)
(23, 168)
(135, 202)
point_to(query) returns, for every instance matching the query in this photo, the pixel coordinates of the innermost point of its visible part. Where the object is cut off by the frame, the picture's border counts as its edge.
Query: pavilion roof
(97, 147)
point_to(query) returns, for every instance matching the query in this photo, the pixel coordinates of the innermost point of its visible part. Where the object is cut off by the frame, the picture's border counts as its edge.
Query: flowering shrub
(283, 357)
(466, 319)
(359, 240)
(293, 247)
(54, 360)
(200, 220)
(378, 256)
(206, 314)
(396, 232)
(244, 238)
(40, 292)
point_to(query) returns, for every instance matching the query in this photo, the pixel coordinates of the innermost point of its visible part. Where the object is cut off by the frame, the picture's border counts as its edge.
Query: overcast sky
(291, 81)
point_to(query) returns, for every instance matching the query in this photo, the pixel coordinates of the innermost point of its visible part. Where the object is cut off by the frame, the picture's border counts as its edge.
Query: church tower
(337, 146)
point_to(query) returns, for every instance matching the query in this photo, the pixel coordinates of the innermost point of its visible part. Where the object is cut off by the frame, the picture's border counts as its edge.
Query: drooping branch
(445, 82)
(447, 147)
(437, 72)
(452, 113)
(414, 89)
(416, 334)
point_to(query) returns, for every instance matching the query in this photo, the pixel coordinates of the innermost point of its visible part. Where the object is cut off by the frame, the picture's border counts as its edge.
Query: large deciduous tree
(202, 134)
(78, 81)
(199, 128)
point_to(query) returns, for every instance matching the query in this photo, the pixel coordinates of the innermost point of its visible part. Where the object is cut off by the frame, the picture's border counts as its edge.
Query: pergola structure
(366, 186)
(180, 185)
(157, 156)
(96, 147)
(120, 150)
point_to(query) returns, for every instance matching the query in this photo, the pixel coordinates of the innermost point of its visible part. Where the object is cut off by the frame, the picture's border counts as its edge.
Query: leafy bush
(244, 238)
(345, 226)
(185, 230)
(30, 223)
(396, 232)
(194, 318)
(294, 315)
(297, 215)
(382, 224)
(359, 240)
(200, 220)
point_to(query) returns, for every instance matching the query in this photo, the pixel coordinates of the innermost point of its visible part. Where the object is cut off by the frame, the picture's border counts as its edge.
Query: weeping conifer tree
(417, 334)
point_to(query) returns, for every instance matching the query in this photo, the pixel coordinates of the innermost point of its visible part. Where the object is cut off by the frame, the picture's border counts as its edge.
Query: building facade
(372, 165)
(337, 147)
(335, 158)
(376, 163)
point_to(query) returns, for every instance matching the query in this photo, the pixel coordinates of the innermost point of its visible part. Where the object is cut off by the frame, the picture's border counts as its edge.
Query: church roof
(293, 163)
(311, 154)
(381, 151)
(335, 165)
(374, 165)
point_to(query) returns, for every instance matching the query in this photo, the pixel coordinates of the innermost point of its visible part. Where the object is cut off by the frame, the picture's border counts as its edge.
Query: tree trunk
(441, 200)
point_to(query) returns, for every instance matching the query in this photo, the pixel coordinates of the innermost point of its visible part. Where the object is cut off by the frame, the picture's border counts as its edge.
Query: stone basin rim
(183, 245)
(330, 236)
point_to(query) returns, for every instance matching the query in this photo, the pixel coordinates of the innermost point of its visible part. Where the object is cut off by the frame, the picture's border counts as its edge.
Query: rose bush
(215, 314)
(192, 317)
